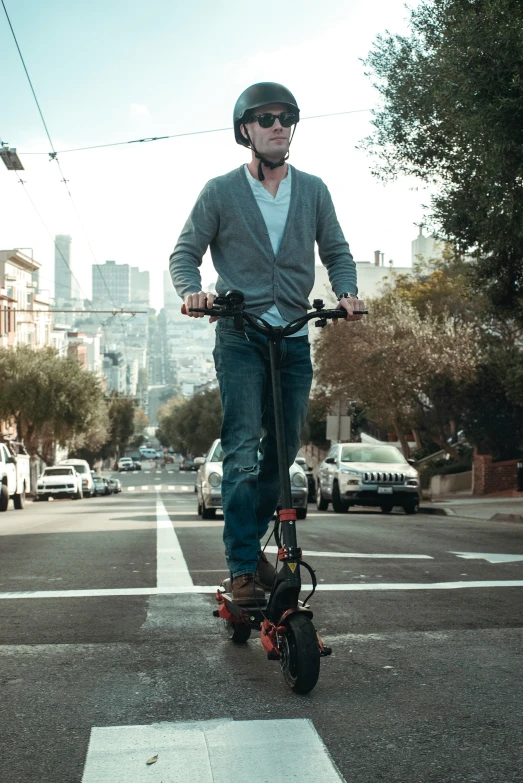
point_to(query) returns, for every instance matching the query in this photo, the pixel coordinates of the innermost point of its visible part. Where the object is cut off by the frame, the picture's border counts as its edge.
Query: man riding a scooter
(261, 223)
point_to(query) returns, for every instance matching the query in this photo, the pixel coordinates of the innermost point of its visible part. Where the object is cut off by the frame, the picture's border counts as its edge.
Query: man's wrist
(347, 295)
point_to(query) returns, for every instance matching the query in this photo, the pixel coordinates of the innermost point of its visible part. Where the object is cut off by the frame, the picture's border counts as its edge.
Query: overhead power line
(176, 135)
(54, 156)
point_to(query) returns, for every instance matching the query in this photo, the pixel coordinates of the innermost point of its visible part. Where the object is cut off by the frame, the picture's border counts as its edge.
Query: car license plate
(384, 490)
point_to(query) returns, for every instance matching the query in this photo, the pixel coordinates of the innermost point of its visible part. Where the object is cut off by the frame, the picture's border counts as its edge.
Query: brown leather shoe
(246, 590)
(266, 572)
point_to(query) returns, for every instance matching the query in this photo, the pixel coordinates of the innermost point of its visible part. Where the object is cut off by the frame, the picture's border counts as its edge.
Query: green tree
(52, 400)
(452, 115)
(190, 426)
(391, 362)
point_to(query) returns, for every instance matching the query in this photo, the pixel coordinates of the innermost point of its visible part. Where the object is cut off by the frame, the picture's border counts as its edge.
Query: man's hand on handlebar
(350, 305)
(201, 299)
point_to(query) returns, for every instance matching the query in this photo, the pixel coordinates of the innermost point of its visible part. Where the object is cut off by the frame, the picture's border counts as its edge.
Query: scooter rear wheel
(300, 654)
(239, 633)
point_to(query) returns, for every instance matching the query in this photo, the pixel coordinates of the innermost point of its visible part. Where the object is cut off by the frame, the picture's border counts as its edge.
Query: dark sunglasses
(286, 118)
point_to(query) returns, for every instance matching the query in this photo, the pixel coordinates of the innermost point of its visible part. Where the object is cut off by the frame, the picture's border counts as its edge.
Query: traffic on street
(110, 651)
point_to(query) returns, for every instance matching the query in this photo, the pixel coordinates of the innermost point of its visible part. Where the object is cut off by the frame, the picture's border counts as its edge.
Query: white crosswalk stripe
(200, 751)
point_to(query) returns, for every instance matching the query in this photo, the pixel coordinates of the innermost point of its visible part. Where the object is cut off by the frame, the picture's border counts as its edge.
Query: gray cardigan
(227, 218)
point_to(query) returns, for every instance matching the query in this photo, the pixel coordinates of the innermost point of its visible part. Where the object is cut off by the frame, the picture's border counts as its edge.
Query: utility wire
(54, 156)
(176, 135)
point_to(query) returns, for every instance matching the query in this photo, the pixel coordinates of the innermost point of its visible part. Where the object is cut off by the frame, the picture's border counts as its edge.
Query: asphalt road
(424, 684)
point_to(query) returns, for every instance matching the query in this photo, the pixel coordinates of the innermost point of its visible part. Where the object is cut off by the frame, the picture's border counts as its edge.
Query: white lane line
(170, 487)
(489, 557)
(171, 568)
(190, 588)
(145, 486)
(200, 752)
(147, 471)
(273, 550)
(131, 489)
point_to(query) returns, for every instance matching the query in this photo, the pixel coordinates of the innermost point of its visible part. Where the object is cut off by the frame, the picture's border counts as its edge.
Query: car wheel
(19, 499)
(339, 506)
(4, 497)
(386, 508)
(412, 507)
(322, 504)
(207, 513)
(301, 513)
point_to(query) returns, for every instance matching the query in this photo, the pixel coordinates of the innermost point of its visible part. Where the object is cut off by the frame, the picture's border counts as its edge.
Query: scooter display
(284, 621)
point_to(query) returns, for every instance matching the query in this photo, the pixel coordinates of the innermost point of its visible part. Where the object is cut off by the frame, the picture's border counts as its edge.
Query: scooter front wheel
(238, 633)
(300, 654)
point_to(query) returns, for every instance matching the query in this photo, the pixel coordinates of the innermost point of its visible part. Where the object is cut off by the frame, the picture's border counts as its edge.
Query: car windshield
(97, 480)
(218, 454)
(58, 472)
(80, 468)
(372, 454)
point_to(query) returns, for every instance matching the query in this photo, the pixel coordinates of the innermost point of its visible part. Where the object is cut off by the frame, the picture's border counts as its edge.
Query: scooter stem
(288, 530)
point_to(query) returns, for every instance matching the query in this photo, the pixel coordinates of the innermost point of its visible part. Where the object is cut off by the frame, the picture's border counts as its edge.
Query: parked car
(357, 474)
(125, 463)
(188, 464)
(114, 485)
(209, 480)
(147, 453)
(101, 486)
(311, 481)
(60, 481)
(137, 465)
(82, 467)
(14, 474)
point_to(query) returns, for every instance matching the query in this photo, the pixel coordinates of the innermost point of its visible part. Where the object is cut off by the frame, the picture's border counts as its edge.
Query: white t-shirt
(274, 210)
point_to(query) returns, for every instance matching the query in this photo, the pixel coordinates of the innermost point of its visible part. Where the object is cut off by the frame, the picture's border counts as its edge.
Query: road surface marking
(190, 588)
(273, 550)
(489, 557)
(170, 487)
(200, 752)
(147, 471)
(145, 486)
(131, 489)
(171, 568)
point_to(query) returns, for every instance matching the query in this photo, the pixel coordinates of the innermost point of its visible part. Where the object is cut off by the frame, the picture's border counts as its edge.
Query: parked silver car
(357, 474)
(209, 485)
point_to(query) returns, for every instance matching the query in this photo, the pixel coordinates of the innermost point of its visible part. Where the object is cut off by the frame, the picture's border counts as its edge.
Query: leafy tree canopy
(190, 426)
(452, 115)
(52, 401)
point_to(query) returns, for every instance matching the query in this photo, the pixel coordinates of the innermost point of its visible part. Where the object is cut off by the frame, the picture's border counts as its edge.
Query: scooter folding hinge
(289, 553)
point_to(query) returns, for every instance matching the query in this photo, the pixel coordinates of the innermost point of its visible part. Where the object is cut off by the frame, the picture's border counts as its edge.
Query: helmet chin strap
(270, 164)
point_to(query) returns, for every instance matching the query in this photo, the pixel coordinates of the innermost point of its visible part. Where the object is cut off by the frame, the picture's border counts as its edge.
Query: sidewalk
(504, 507)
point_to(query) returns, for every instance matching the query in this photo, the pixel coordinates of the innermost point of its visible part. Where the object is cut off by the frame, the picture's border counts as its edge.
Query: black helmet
(258, 95)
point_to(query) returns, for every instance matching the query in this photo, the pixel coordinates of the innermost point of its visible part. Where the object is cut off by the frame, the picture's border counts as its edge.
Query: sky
(117, 70)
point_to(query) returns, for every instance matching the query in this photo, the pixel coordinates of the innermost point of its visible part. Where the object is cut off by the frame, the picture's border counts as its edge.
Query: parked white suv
(125, 463)
(357, 474)
(60, 481)
(82, 467)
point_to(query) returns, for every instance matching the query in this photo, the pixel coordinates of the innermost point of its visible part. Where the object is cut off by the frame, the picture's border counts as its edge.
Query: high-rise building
(65, 284)
(140, 287)
(111, 284)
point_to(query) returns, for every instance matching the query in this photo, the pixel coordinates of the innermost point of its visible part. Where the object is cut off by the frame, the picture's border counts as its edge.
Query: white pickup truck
(14, 474)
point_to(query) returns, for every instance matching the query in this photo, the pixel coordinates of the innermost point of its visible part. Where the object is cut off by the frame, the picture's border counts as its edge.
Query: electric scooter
(285, 623)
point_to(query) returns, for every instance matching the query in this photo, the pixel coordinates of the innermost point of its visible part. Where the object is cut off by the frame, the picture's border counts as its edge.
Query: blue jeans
(250, 484)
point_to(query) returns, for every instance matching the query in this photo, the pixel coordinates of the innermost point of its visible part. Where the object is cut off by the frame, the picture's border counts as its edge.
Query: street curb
(440, 512)
(500, 517)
